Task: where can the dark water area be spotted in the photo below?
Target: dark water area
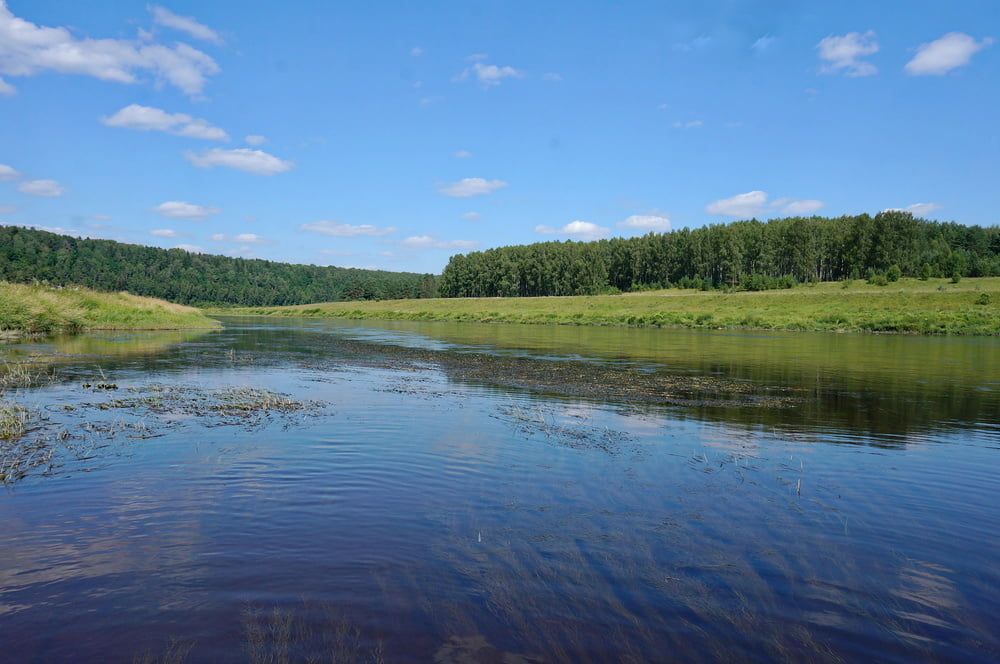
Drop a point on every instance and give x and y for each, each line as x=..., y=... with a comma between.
x=285, y=490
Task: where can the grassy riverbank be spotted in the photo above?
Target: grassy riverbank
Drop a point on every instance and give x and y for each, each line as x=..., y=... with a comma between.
x=936, y=306
x=33, y=309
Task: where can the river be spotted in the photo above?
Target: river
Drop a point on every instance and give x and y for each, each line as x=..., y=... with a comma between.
x=285, y=489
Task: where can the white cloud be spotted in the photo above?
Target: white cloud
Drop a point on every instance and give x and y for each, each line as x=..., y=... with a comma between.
x=695, y=44
x=749, y=204
x=239, y=238
x=755, y=203
x=242, y=159
x=487, y=75
x=7, y=89
x=255, y=139
x=844, y=53
x=243, y=250
x=186, y=24
x=690, y=124
x=163, y=232
x=797, y=207
x=762, y=44
x=948, y=52
x=471, y=187
x=461, y=154
x=581, y=229
x=429, y=242
x=471, y=216
x=646, y=222
x=336, y=229
x=8, y=172
x=918, y=209
x=182, y=210
x=552, y=77
x=27, y=49
x=416, y=51
x=147, y=118
x=58, y=230
x=192, y=248
x=44, y=188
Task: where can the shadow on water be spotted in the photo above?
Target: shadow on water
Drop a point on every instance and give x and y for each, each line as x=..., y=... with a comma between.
x=872, y=388
x=889, y=387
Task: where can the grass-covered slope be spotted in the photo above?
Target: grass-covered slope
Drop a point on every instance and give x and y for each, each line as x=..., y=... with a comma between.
x=46, y=310
x=935, y=306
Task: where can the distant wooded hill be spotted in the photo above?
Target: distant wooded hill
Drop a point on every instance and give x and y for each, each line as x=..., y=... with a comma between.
x=752, y=255
x=28, y=255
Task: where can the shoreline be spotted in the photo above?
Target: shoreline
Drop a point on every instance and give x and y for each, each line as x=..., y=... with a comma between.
x=934, y=307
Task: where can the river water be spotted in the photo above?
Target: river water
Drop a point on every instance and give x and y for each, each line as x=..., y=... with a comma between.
x=281, y=490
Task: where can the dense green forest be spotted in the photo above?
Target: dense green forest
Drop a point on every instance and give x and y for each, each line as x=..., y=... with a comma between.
x=749, y=255
x=28, y=255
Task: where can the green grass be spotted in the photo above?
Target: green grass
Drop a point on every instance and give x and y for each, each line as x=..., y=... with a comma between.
x=936, y=306
x=46, y=310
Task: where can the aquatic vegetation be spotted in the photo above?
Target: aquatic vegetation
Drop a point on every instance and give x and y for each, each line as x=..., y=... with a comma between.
x=236, y=404
x=559, y=429
x=77, y=434
x=13, y=420
x=18, y=453
x=29, y=372
x=176, y=653
x=279, y=636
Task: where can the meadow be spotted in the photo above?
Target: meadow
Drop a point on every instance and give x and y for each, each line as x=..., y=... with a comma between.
x=38, y=309
x=933, y=306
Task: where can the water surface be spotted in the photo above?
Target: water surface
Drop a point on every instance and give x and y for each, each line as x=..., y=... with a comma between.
x=460, y=492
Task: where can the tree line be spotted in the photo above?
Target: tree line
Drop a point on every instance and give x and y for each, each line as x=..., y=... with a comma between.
x=749, y=255
x=29, y=255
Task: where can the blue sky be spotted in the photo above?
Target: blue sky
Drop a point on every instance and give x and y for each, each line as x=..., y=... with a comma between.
x=393, y=135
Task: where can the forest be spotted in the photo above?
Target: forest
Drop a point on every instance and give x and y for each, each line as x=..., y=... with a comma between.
x=29, y=255
x=743, y=255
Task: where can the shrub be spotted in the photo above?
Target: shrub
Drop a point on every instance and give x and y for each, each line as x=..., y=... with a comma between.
x=956, y=277
x=984, y=299
x=877, y=279
x=894, y=273
x=925, y=271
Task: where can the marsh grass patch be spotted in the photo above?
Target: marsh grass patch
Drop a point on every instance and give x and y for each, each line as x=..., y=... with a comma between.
x=556, y=427
x=83, y=436
x=249, y=406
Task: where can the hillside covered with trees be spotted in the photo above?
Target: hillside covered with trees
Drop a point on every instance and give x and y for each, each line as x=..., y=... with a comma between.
x=748, y=255
x=29, y=255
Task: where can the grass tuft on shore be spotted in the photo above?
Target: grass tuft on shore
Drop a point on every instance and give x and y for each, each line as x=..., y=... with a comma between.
x=36, y=309
x=934, y=306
